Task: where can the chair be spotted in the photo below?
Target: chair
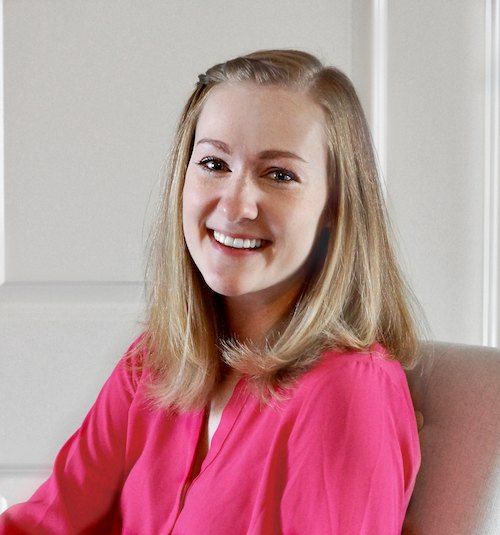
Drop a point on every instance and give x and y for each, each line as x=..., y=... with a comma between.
x=456, y=395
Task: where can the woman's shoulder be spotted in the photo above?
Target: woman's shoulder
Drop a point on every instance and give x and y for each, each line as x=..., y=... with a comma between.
x=130, y=367
x=376, y=360
x=362, y=386
x=347, y=373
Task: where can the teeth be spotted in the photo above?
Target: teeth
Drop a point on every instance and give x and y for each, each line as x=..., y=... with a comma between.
x=238, y=243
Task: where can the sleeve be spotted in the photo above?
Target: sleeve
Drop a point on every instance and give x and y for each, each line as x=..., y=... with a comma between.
x=353, y=454
x=79, y=495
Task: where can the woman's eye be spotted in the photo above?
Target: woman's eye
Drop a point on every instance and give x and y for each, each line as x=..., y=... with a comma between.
x=214, y=165
x=204, y=164
x=283, y=172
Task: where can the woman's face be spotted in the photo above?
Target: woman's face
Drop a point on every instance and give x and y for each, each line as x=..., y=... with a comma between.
x=257, y=170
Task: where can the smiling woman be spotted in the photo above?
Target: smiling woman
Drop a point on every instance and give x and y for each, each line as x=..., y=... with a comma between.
x=266, y=393
x=264, y=129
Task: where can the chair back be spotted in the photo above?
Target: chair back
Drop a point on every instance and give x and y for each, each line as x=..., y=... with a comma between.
x=456, y=395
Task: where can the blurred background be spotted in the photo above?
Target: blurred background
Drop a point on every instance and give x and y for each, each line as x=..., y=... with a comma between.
x=92, y=91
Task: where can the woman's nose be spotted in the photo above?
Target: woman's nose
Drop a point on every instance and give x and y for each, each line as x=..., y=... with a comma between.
x=239, y=199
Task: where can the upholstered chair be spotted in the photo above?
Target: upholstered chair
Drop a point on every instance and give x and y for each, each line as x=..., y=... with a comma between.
x=456, y=395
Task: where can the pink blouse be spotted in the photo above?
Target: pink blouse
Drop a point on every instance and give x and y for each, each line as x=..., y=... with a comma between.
x=339, y=457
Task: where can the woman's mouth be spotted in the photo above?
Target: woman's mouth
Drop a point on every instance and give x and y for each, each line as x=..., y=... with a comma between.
x=236, y=251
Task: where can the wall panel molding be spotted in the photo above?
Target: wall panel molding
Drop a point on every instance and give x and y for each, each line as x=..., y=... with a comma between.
x=379, y=86
x=491, y=285
x=2, y=152
x=62, y=338
x=54, y=298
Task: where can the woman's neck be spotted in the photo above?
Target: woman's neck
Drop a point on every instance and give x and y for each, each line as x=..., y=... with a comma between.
x=250, y=317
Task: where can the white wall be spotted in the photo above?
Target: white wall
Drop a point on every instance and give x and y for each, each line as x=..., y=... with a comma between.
x=92, y=91
x=436, y=156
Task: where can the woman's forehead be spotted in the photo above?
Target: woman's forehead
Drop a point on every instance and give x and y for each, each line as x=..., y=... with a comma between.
x=262, y=118
x=284, y=103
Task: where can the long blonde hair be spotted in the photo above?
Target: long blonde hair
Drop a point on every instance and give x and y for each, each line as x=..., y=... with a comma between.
x=356, y=294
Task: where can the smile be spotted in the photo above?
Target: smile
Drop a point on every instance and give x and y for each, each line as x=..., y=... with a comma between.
x=237, y=243
x=236, y=249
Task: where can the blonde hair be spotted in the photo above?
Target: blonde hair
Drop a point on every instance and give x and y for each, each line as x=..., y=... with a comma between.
x=356, y=294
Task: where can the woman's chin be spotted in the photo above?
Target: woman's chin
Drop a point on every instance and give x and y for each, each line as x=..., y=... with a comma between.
x=228, y=289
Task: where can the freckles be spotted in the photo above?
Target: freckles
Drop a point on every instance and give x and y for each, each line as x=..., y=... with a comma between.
x=197, y=205
x=191, y=194
x=199, y=186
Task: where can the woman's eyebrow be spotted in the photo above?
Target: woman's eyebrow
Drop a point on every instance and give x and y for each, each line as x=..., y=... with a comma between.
x=264, y=155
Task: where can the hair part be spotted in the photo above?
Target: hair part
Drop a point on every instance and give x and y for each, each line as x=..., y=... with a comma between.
x=356, y=295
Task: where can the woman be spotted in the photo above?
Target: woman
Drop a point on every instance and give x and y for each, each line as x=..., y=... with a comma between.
x=266, y=393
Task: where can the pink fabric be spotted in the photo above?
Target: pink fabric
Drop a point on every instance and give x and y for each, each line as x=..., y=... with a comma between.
x=340, y=457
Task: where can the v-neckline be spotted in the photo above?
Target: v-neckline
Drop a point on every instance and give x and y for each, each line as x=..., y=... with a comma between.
x=227, y=420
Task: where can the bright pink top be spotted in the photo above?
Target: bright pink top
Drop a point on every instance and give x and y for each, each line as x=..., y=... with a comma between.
x=340, y=457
